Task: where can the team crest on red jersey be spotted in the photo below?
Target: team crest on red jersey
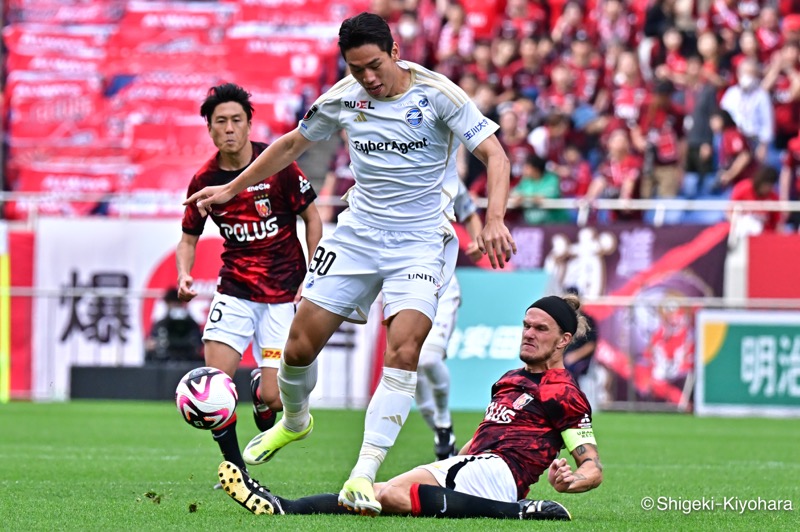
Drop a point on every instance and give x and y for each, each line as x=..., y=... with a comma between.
x=521, y=401
x=264, y=207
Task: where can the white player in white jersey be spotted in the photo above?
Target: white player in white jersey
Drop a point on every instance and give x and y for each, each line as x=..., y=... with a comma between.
x=404, y=124
x=433, y=377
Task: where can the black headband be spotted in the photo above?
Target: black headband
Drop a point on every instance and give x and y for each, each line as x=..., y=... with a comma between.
x=559, y=310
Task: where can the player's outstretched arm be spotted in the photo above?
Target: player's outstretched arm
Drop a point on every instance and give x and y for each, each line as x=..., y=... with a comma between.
x=495, y=239
x=588, y=476
x=184, y=261
x=275, y=158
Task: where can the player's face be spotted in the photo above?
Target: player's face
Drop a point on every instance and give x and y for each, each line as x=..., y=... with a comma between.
x=229, y=129
x=541, y=337
x=376, y=71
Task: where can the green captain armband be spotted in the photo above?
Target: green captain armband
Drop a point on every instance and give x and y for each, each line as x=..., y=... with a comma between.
x=574, y=437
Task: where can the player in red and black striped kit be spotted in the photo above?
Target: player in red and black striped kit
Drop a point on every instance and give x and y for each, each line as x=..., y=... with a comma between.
x=534, y=412
x=263, y=265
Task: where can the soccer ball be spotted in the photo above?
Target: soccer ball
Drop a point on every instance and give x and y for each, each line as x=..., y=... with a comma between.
x=206, y=398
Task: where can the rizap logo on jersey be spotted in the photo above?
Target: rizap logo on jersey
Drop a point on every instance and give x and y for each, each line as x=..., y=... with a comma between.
x=311, y=112
x=263, y=207
x=363, y=104
x=499, y=414
x=251, y=231
x=390, y=145
x=476, y=128
x=414, y=117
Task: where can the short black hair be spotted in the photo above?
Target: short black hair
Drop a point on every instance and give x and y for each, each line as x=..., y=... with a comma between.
x=765, y=174
x=727, y=119
x=227, y=92
x=365, y=28
x=536, y=162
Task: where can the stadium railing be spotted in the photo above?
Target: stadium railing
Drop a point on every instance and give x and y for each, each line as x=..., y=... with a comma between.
x=130, y=204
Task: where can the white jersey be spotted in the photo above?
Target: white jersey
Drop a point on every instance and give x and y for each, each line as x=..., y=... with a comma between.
x=403, y=149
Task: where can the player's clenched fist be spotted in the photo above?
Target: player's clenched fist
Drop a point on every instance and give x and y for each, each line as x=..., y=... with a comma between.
x=560, y=475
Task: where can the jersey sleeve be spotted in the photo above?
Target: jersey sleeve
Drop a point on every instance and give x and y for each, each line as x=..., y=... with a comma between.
x=571, y=415
x=322, y=118
x=193, y=222
x=463, y=117
x=296, y=188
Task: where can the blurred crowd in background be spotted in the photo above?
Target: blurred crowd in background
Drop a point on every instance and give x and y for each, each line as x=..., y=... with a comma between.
x=594, y=98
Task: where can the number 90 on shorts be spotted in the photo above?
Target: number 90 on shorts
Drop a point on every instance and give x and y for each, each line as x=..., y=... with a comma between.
x=356, y=262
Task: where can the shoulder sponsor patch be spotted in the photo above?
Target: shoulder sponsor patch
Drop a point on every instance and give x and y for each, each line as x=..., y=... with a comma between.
x=311, y=112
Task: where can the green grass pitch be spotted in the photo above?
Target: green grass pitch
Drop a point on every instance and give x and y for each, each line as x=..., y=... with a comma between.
x=106, y=465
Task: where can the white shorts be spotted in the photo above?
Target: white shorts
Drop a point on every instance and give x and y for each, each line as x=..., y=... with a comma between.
x=354, y=263
x=446, y=314
x=236, y=322
x=483, y=475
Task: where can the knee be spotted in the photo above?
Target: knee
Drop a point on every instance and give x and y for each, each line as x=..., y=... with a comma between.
x=404, y=355
x=300, y=349
x=395, y=499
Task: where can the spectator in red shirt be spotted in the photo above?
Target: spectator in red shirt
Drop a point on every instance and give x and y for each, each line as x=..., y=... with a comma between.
x=513, y=136
x=722, y=16
x=525, y=18
x=790, y=179
x=673, y=68
x=709, y=49
x=616, y=21
x=748, y=49
x=628, y=89
x=549, y=139
x=618, y=175
x=574, y=173
x=560, y=95
x=659, y=136
x=760, y=187
x=569, y=23
x=768, y=33
x=456, y=42
x=410, y=36
x=483, y=68
x=587, y=70
x=528, y=74
x=782, y=80
x=504, y=51
x=734, y=157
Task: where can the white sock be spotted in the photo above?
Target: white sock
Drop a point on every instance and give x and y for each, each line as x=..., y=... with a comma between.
x=433, y=369
x=424, y=398
x=439, y=376
x=296, y=384
x=387, y=412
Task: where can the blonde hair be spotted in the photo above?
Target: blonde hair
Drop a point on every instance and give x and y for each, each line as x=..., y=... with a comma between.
x=575, y=303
